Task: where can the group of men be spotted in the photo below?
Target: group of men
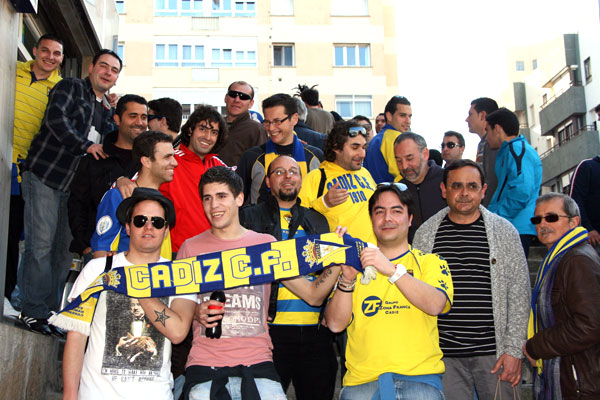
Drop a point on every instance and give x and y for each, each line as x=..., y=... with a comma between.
x=444, y=264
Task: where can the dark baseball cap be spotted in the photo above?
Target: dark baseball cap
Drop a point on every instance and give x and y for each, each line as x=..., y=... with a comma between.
x=141, y=194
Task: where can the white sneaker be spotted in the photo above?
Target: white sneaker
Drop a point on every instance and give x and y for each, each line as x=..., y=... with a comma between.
x=9, y=311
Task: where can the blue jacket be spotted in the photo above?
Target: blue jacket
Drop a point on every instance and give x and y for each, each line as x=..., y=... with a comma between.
x=380, y=160
x=519, y=171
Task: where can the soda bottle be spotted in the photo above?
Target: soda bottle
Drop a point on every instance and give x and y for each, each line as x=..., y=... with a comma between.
x=215, y=332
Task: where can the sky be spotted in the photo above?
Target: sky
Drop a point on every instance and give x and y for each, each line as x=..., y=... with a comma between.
x=451, y=52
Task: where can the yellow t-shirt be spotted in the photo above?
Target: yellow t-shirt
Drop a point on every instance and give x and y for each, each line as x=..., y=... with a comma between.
x=354, y=212
x=387, y=333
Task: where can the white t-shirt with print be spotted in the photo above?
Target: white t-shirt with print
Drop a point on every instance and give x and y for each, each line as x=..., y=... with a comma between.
x=126, y=356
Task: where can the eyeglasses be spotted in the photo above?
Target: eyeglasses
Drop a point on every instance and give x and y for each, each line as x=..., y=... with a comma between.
x=243, y=96
x=400, y=186
x=153, y=117
x=282, y=171
x=275, y=122
x=471, y=187
x=204, y=129
x=549, y=218
x=354, y=131
x=450, y=145
x=140, y=221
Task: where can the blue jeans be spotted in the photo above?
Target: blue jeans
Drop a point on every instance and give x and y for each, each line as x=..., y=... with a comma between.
x=404, y=390
x=46, y=259
x=267, y=389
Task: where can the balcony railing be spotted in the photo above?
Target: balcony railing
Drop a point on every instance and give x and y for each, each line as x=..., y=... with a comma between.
x=567, y=139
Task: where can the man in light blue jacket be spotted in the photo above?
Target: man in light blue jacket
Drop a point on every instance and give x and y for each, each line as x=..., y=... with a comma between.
x=519, y=172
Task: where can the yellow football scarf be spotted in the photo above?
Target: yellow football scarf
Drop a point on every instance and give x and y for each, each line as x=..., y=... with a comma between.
x=252, y=265
x=564, y=244
x=297, y=154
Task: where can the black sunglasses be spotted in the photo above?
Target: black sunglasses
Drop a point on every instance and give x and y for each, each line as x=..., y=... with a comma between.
x=449, y=145
x=549, y=218
x=354, y=131
x=243, y=96
x=140, y=221
x=154, y=116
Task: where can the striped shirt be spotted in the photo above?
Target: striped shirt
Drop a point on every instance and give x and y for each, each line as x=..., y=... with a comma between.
x=468, y=330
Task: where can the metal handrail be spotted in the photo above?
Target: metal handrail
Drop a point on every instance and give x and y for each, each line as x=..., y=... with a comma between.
x=586, y=128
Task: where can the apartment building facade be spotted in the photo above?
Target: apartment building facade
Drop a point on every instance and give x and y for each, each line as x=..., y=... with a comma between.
x=554, y=93
x=191, y=50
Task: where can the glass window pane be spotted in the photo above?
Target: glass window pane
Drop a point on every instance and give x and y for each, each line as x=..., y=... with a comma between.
x=160, y=51
x=277, y=55
x=289, y=55
x=160, y=4
x=216, y=4
x=363, y=108
x=120, y=49
x=251, y=55
x=120, y=7
x=216, y=54
x=239, y=6
x=344, y=108
x=250, y=6
x=363, y=56
x=227, y=5
x=197, y=4
x=239, y=55
x=185, y=4
x=172, y=52
x=199, y=52
x=172, y=4
x=339, y=56
x=187, y=52
x=351, y=55
x=227, y=54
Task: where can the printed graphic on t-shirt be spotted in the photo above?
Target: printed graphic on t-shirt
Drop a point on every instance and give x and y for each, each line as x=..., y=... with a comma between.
x=134, y=347
x=243, y=312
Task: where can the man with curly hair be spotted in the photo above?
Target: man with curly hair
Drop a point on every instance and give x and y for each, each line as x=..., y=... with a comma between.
x=204, y=133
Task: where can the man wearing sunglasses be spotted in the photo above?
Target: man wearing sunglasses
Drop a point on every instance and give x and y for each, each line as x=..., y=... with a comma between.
x=491, y=288
x=154, y=157
x=380, y=159
x=244, y=132
x=340, y=188
x=128, y=352
x=453, y=146
x=165, y=115
x=393, y=350
x=94, y=177
x=280, y=117
x=519, y=172
x=564, y=334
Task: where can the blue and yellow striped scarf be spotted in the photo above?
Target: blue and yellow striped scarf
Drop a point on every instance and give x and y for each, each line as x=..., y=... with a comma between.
x=252, y=265
x=546, y=272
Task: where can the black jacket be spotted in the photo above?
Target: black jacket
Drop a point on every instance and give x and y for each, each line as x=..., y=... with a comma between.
x=92, y=179
x=427, y=197
x=264, y=218
x=585, y=190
